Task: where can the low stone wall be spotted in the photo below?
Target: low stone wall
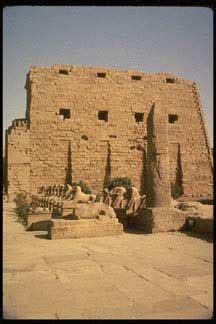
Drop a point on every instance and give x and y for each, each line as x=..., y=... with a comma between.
x=38, y=221
x=59, y=229
x=160, y=219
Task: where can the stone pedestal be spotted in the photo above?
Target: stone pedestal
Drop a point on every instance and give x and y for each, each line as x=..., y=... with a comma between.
x=59, y=229
x=161, y=219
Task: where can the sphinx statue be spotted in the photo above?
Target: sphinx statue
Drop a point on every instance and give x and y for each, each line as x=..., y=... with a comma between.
x=69, y=193
x=81, y=197
x=107, y=199
x=134, y=202
x=118, y=197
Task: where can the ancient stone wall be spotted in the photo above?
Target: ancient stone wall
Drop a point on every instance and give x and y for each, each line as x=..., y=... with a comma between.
x=102, y=114
x=17, y=158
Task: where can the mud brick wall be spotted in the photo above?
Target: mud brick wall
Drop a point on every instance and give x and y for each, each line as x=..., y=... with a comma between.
x=105, y=125
x=17, y=158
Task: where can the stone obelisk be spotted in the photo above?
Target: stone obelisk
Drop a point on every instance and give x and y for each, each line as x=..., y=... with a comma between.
x=159, y=215
x=158, y=180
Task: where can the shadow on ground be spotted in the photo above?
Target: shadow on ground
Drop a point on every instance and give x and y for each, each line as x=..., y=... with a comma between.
x=134, y=231
x=196, y=235
x=42, y=236
x=186, y=232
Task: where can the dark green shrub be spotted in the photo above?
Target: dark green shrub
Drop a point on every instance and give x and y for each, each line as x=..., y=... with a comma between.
x=176, y=190
x=120, y=182
x=22, y=207
x=83, y=186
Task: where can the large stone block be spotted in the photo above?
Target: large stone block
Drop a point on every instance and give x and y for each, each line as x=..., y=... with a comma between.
x=59, y=229
x=160, y=219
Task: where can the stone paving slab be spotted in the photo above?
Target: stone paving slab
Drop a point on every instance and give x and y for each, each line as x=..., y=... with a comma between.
x=132, y=276
x=182, y=307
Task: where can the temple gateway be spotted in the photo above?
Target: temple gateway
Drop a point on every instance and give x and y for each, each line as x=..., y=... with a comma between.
x=99, y=123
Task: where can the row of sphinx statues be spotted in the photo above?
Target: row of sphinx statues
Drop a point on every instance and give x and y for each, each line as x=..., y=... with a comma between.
x=56, y=196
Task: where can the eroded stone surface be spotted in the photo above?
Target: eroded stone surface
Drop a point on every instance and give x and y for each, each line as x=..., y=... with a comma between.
x=131, y=276
x=91, y=210
x=103, y=226
x=97, y=127
x=158, y=179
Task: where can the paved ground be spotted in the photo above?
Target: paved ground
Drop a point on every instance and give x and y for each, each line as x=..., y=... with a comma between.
x=132, y=276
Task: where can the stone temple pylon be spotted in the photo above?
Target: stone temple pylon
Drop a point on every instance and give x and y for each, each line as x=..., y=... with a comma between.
x=158, y=180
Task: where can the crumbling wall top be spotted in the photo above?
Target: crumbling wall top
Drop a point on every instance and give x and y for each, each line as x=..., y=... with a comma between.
x=73, y=70
x=18, y=123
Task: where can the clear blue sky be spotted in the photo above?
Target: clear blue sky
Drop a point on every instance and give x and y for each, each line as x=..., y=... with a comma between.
x=152, y=39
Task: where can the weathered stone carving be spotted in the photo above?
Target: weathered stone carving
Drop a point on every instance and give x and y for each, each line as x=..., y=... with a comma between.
x=135, y=202
x=81, y=197
x=78, y=215
x=91, y=210
x=62, y=200
x=69, y=192
x=126, y=203
x=107, y=197
x=117, y=195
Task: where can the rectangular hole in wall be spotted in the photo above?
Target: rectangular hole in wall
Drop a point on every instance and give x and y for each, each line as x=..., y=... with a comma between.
x=138, y=117
x=103, y=115
x=170, y=80
x=64, y=113
x=173, y=118
x=101, y=75
x=136, y=77
x=63, y=72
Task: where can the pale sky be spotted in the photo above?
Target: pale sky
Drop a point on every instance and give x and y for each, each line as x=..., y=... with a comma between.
x=178, y=40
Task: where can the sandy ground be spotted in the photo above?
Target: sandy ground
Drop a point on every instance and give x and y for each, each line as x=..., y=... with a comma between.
x=131, y=276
